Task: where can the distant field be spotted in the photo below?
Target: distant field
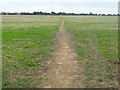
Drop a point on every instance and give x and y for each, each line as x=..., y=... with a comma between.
x=96, y=41
x=27, y=42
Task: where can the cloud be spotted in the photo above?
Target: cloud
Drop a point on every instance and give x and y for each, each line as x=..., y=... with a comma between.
x=74, y=1
x=62, y=9
x=77, y=6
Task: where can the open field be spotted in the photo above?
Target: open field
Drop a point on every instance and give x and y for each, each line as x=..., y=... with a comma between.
x=0, y=52
x=96, y=44
x=27, y=42
x=30, y=41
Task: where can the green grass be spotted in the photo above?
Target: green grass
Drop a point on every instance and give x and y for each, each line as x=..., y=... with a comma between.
x=96, y=46
x=27, y=42
x=0, y=52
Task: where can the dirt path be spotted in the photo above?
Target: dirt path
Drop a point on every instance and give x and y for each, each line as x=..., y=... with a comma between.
x=62, y=68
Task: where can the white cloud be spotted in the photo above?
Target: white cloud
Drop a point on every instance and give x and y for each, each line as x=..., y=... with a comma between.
x=10, y=1
x=8, y=5
x=64, y=9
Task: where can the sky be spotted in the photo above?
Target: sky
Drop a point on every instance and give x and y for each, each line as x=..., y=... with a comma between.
x=68, y=6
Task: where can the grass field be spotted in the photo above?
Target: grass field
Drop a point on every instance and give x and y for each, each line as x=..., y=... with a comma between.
x=96, y=41
x=29, y=40
x=0, y=52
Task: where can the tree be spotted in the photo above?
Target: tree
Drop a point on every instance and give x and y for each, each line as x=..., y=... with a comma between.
x=53, y=13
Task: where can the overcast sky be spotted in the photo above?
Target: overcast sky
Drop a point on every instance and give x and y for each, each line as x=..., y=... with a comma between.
x=76, y=6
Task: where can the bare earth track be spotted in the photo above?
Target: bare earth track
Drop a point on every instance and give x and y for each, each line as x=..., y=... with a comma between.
x=63, y=70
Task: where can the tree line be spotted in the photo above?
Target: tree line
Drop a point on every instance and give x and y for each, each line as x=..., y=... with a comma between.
x=54, y=13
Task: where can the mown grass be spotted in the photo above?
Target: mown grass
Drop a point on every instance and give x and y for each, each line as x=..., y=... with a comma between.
x=96, y=46
x=27, y=42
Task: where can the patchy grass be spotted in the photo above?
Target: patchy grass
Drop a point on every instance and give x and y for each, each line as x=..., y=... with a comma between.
x=0, y=52
x=96, y=47
x=27, y=42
